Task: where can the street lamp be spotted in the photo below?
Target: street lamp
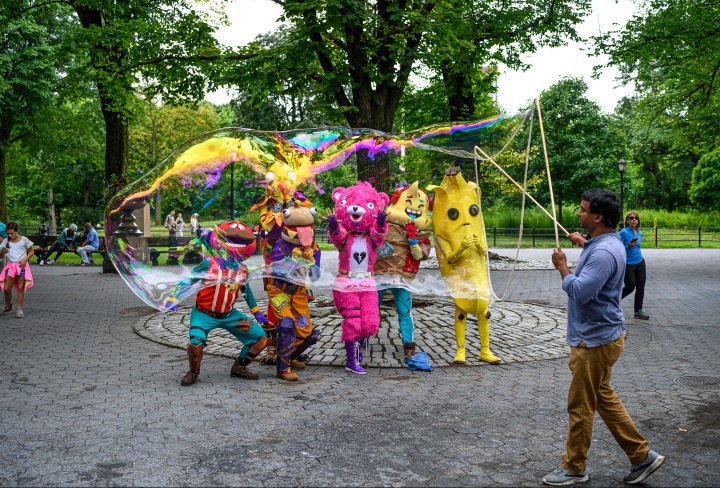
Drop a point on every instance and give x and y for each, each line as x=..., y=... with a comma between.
x=621, y=168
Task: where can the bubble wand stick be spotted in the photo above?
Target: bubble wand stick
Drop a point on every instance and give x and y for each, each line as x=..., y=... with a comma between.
x=488, y=158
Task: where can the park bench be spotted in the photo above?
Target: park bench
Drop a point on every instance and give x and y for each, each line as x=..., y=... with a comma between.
x=48, y=240
x=175, y=253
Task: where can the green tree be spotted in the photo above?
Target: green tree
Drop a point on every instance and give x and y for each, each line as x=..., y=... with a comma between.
x=705, y=189
x=361, y=55
x=670, y=53
x=130, y=41
x=582, y=147
x=661, y=151
x=474, y=36
x=158, y=133
x=28, y=73
x=55, y=172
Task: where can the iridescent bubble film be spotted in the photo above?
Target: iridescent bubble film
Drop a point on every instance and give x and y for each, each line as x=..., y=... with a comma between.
x=280, y=186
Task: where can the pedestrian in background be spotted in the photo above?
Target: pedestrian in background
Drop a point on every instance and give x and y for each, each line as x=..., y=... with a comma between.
x=635, y=273
x=596, y=335
x=16, y=272
x=194, y=224
x=180, y=223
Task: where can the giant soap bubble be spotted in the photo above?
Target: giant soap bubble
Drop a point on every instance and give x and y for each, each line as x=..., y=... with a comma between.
x=240, y=170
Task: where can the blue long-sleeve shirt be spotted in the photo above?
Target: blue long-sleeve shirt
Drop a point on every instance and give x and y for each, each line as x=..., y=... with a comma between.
x=634, y=254
x=595, y=291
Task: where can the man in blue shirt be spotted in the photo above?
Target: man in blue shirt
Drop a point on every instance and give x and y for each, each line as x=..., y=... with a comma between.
x=596, y=337
x=91, y=244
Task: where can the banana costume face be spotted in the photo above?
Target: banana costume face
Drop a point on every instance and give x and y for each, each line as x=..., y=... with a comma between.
x=460, y=248
x=460, y=239
x=410, y=205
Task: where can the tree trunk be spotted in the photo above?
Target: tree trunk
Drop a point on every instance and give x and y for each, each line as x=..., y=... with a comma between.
x=51, y=210
x=158, y=208
x=117, y=142
x=461, y=99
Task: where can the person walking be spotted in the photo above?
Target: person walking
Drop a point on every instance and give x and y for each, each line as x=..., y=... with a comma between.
x=180, y=223
x=635, y=273
x=595, y=333
x=194, y=225
x=90, y=245
x=16, y=272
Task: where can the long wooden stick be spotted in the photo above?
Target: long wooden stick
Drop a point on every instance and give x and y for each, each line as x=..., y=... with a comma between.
x=522, y=190
x=547, y=168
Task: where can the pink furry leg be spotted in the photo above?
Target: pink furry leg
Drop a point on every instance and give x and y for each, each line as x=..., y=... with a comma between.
x=348, y=304
x=369, y=314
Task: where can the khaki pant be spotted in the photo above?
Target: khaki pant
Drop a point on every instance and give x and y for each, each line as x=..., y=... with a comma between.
x=590, y=391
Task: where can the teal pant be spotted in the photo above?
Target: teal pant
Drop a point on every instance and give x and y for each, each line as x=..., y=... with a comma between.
x=201, y=324
x=403, y=306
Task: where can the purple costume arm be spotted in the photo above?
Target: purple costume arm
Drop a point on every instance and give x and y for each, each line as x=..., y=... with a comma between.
x=336, y=232
x=379, y=230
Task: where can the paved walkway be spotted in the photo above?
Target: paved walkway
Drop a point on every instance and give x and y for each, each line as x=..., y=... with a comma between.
x=87, y=401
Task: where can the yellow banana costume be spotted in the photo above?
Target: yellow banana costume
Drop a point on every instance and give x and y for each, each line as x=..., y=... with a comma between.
x=460, y=248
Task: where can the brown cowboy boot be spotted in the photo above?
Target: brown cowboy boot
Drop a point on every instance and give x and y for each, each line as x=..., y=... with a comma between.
x=195, y=354
x=242, y=371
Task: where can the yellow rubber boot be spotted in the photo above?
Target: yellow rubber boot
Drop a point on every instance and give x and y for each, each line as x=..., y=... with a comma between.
x=484, y=330
x=460, y=317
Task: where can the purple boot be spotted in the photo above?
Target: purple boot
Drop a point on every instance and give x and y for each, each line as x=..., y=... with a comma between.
x=351, y=348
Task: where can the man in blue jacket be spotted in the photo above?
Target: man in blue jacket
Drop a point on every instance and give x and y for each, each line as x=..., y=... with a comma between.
x=596, y=335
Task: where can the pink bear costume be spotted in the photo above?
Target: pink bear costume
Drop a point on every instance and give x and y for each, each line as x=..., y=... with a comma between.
x=357, y=229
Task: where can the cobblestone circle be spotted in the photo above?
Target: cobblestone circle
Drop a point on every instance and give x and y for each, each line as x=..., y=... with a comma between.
x=519, y=332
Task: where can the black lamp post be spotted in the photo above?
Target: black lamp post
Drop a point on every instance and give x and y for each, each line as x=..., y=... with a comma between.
x=621, y=168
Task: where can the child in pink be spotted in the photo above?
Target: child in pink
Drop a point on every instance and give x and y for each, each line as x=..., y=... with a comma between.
x=16, y=272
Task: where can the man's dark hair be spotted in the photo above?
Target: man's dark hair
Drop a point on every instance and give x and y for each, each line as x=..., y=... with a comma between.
x=605, y=203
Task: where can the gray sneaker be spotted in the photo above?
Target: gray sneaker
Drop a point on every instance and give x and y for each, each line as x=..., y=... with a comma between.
x=41, y=263
x=50, y=262
x=641, y=315
x=639, y=472
x=20, y=314
x=563, y=477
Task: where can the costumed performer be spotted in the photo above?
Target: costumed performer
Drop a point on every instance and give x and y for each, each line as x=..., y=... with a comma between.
x=406, y=244
x=296, y=258
x=357, y=230
x=460, y=247
x=222, y=276
x=280, y=191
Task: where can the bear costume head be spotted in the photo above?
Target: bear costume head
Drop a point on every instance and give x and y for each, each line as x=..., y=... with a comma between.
x=357, y=207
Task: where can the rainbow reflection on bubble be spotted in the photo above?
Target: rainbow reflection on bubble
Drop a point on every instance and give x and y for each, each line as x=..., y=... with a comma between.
x=196, y=178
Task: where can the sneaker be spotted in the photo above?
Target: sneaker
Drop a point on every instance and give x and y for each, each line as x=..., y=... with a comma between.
x=50, y=262
x=42, y=263
x=20, y=314
x=287, y=375
x=6, y=310
x=641, y=315
x=563, y=477
x=641, y=471
x=84, y=264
